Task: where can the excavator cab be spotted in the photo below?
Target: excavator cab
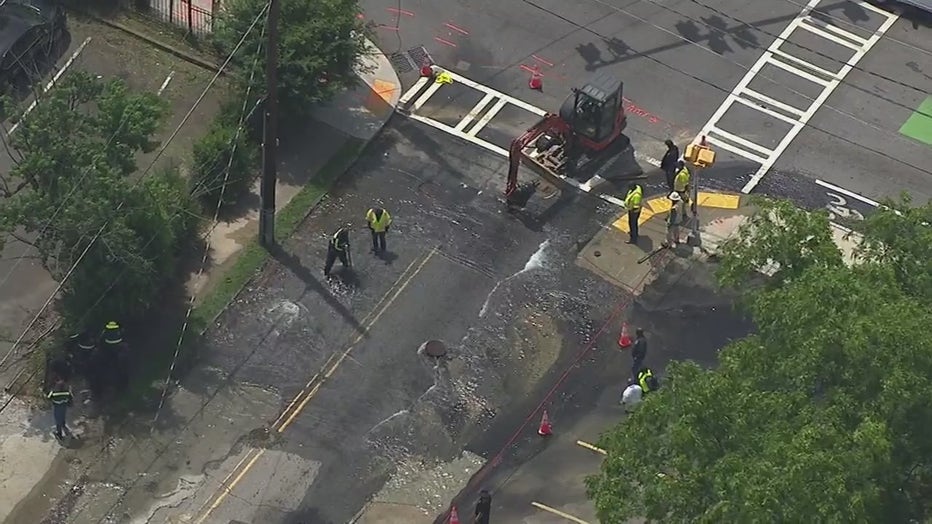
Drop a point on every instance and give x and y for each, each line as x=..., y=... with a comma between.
x=594, y=112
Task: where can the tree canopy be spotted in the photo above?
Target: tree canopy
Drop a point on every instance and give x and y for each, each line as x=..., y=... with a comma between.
x=74, y=157
x=823, y=415
x=320, y=43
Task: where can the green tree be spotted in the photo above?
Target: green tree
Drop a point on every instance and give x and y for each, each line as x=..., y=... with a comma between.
x=823, y=415
x=73, y=160
x=320, y=43
x=224, y=162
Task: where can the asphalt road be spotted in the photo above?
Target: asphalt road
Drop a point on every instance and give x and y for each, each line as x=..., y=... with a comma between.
x=680, y=61
x=501, y=290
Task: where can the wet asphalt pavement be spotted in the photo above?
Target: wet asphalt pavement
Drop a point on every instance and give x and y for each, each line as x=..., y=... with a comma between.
x=501, y=291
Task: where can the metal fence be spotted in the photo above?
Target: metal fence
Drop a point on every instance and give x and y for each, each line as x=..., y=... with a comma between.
x=197, y=16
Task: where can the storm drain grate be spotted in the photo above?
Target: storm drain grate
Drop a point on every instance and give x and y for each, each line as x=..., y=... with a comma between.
x=419, y=56
x=401, y=62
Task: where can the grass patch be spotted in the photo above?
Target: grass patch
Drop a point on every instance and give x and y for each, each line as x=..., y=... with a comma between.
x=246, y=265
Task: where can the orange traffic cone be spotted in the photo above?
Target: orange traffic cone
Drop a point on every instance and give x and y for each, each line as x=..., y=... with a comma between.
x=454, y=517
x=427, y=69
x=625, y=339
x=545, y=429
x=537, y=80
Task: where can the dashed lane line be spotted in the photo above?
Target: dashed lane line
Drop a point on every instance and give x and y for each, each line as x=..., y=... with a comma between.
x=562, y=514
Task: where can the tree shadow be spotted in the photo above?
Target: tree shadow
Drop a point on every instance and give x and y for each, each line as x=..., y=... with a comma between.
x=293, y=263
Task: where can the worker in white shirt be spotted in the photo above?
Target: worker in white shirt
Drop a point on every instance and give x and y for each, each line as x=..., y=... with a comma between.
x=631, y=396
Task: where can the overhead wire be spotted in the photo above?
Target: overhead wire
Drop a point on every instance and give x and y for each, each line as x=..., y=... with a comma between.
x=705, y=82
x=139, y=180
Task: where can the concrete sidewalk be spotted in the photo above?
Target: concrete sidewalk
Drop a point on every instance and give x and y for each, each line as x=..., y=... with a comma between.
x=35, y=472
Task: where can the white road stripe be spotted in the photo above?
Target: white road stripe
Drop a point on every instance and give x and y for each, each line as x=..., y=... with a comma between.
x=857, y=39
x=774, y=102
x=165, y=83
x=758, y=107
x=429, y=92
x=798, y=72
x=770, y=57
x=804, y=24
x=415, y=89
x=810, y=66
x=848, y=193
x=870, y=7
x=823, y=96
x=469, y=138
x=476, y=111
x=740, y=141
x=734, y=149
x=51, y=82
x=484, y=121
x=511, y=100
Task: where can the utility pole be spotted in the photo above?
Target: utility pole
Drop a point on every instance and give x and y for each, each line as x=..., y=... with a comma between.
x=270, y=131
x=701, y=156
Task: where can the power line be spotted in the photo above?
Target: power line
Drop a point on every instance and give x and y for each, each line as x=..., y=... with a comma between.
x=142, y=177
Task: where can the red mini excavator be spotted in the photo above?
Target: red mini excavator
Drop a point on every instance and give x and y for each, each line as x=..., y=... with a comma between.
x=562, y=147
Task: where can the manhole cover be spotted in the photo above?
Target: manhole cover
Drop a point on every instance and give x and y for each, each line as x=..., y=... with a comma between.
x=434, y=348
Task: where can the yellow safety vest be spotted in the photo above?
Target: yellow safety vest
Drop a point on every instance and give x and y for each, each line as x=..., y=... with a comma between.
x=681, y=180
x=643, y=376
x=378, y=223
x=633, y=199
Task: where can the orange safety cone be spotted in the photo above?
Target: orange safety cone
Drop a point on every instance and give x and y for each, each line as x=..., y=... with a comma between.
x=624, y=341
x=537, y=80
x=454, y=517
x=427, y=69
x=545, y=429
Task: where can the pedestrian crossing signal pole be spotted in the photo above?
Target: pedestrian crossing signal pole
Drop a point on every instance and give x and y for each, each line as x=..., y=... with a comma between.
x=700, y=156
x=270, y=131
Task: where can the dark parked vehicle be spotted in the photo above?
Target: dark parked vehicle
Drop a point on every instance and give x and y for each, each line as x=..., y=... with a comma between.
x=29, y=33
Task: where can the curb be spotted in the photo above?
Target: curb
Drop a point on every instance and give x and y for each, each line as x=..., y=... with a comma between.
x=168, y=48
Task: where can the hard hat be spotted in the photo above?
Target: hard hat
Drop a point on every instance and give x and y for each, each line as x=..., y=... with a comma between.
x=675, y=196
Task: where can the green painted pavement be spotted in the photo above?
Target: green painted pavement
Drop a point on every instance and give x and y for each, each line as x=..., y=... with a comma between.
x=919, y=125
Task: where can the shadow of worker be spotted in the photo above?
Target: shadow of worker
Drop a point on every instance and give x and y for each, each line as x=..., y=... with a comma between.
x=293, y=263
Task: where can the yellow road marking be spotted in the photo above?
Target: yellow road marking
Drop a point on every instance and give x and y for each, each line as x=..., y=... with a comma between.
x=314, y=384
x=622, y=223
x=368, y=326
x=719, y=200
x=558, y=513
x=591, y=447
x=227, y=489
x=660, y=205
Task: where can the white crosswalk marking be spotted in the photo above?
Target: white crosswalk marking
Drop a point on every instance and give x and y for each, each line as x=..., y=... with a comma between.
x=777, y=56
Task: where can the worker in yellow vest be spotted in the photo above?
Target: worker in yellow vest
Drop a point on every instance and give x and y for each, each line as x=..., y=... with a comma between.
x=633, y=205
x=379, y=221
x=681, y=185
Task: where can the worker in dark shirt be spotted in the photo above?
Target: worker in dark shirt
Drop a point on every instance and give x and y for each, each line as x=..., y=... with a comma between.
x=483, y=507
x=668, y=162
x=338, y=247
x=638, y=352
